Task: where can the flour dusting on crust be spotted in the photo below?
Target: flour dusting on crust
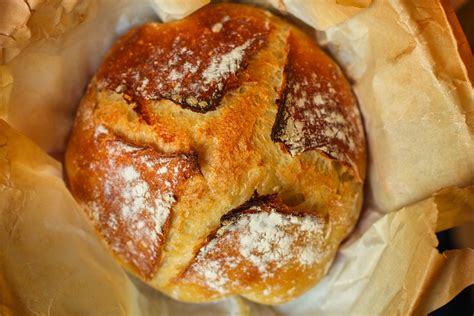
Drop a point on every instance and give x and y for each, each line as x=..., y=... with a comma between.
x=134, y=206
x=315, y=110
x=191, y=66
x=222, y=66
x=262, y=242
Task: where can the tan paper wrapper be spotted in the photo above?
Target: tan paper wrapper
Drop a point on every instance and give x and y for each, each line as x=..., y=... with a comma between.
x=410, y=71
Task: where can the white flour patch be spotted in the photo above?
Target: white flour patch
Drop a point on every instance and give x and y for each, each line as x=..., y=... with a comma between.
x=222, y=66
x=267, y=241
x=216, y=28
x=135, y=208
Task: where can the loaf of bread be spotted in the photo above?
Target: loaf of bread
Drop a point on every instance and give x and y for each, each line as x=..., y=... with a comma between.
x=220, y=155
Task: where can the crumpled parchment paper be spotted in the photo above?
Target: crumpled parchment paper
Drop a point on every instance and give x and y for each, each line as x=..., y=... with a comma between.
x=409, y=66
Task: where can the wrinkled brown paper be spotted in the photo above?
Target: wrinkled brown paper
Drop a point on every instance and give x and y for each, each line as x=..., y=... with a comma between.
x=410, y=73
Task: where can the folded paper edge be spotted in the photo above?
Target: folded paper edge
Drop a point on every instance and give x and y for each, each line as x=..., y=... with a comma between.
x=455, y=206
x=462, y=43
x=449, y=275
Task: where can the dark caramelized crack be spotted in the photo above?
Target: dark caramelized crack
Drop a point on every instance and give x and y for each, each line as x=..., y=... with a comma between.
x=316, y=108
x=259, y=203
x=279, y=124
x=193, y=62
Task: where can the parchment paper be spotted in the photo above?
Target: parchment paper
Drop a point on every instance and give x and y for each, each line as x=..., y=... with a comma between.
x=410, y=76
x=418, y=121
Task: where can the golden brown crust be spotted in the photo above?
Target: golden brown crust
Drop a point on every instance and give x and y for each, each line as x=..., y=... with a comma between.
x=256, y=247
x=317, y=106
x=126, y=199
x=170, y=182
x=183, y=55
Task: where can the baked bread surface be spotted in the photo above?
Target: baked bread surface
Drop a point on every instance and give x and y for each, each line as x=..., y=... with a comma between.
x=220, y=155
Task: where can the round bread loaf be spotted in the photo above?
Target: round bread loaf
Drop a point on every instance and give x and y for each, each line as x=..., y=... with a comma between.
x=220, y=155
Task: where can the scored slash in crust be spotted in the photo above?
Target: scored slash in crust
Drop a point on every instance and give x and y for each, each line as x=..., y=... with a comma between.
x=316, y=107
x=260, y=240
x=130, y=197
x=192, y=64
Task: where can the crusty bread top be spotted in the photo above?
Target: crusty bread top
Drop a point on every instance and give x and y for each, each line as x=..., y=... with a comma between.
x=194, y=134
x=196, y=64
x=195, y=61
